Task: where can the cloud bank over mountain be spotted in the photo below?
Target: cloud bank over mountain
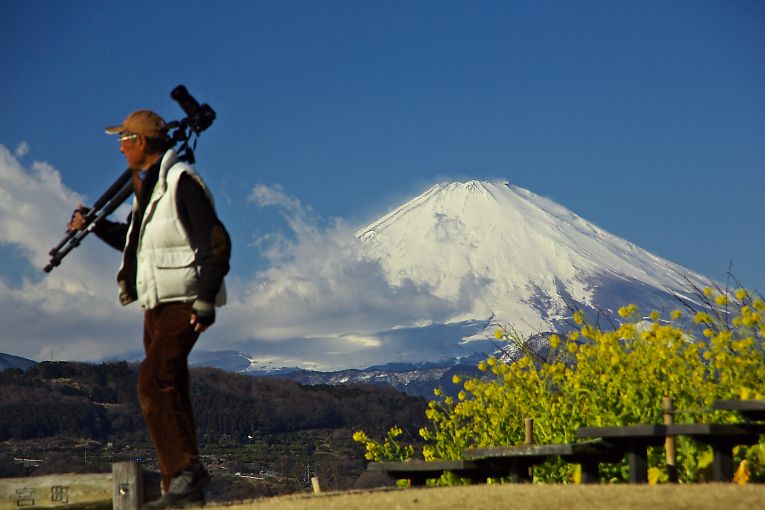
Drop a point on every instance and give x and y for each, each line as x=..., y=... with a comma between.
x=319, y=300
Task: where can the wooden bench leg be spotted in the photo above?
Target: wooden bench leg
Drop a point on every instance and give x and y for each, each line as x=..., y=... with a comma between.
x=476, y=478
x=638, y=464
x=722, y=463
x=522, y=473
x=418, y=481
x=590, y=472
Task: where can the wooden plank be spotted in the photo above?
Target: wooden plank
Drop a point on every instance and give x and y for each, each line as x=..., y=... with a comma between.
x=60, y=491
x=416, y=465
x=733, y=431
x=536, y=450
x=751, y=409
x=646, y=432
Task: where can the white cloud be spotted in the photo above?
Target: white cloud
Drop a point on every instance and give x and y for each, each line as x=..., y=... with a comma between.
x=320, y=304
x=264, y=196
x=22, y=150
x=71, y=313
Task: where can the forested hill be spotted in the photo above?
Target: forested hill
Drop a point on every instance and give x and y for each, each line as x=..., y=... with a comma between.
x=99, y=402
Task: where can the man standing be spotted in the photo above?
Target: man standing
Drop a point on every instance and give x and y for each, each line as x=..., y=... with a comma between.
x=175, y=253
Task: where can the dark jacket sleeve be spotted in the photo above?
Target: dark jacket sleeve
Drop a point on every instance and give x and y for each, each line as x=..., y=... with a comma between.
x=208, y=237
x=112, y=233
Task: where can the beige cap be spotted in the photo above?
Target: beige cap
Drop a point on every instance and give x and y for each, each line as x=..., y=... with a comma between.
x=141, y=122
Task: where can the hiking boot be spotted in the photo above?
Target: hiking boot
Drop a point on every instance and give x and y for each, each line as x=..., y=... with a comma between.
x=185, y=490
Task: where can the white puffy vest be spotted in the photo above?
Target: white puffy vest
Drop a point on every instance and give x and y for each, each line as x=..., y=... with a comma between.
x=166, y=265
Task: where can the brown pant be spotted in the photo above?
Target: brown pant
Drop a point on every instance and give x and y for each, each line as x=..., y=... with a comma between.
x=163, y=387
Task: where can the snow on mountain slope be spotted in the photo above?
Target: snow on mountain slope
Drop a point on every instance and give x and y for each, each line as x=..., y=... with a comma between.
x=522, y=258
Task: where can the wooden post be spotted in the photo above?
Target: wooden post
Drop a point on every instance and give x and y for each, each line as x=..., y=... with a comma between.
x=528, y=433
x=127, y=486
x=315, y=484
x=528, y=425
x=669, y=443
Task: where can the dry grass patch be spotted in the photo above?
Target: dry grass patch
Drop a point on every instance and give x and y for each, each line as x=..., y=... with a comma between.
x=525, y=497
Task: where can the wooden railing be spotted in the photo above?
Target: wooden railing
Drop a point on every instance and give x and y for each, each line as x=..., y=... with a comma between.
x=125, y=488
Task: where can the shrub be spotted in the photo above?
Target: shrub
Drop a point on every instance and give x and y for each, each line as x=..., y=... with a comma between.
x=612, y=376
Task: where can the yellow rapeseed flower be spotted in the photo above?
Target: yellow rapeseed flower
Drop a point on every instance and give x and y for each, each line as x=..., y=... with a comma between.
x=722, y=299
x=741, y=294
x=742, y=474
x=701, y=317
x=676, y=314
x=628, y=310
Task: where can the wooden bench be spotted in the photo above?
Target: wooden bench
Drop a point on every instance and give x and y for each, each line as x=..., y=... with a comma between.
x=515, y=461
x=418, y=472
x=634, y=440
x=722, y=437
x=479, y=464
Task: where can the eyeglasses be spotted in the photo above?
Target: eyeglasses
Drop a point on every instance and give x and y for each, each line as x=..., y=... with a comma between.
x=126, y=137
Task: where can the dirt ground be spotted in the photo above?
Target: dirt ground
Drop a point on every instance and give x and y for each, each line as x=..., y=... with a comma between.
x=524, y=497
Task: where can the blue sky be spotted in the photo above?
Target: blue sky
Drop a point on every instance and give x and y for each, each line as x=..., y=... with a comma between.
x=646, y=118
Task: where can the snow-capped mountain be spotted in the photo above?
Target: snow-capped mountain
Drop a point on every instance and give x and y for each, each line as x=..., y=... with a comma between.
x=460, y=259
x=503, y=252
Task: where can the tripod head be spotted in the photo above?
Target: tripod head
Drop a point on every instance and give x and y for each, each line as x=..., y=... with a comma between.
x=198, y=118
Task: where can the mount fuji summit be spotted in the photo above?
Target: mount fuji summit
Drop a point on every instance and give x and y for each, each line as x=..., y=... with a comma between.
x=504, y=253
x=427, y=284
